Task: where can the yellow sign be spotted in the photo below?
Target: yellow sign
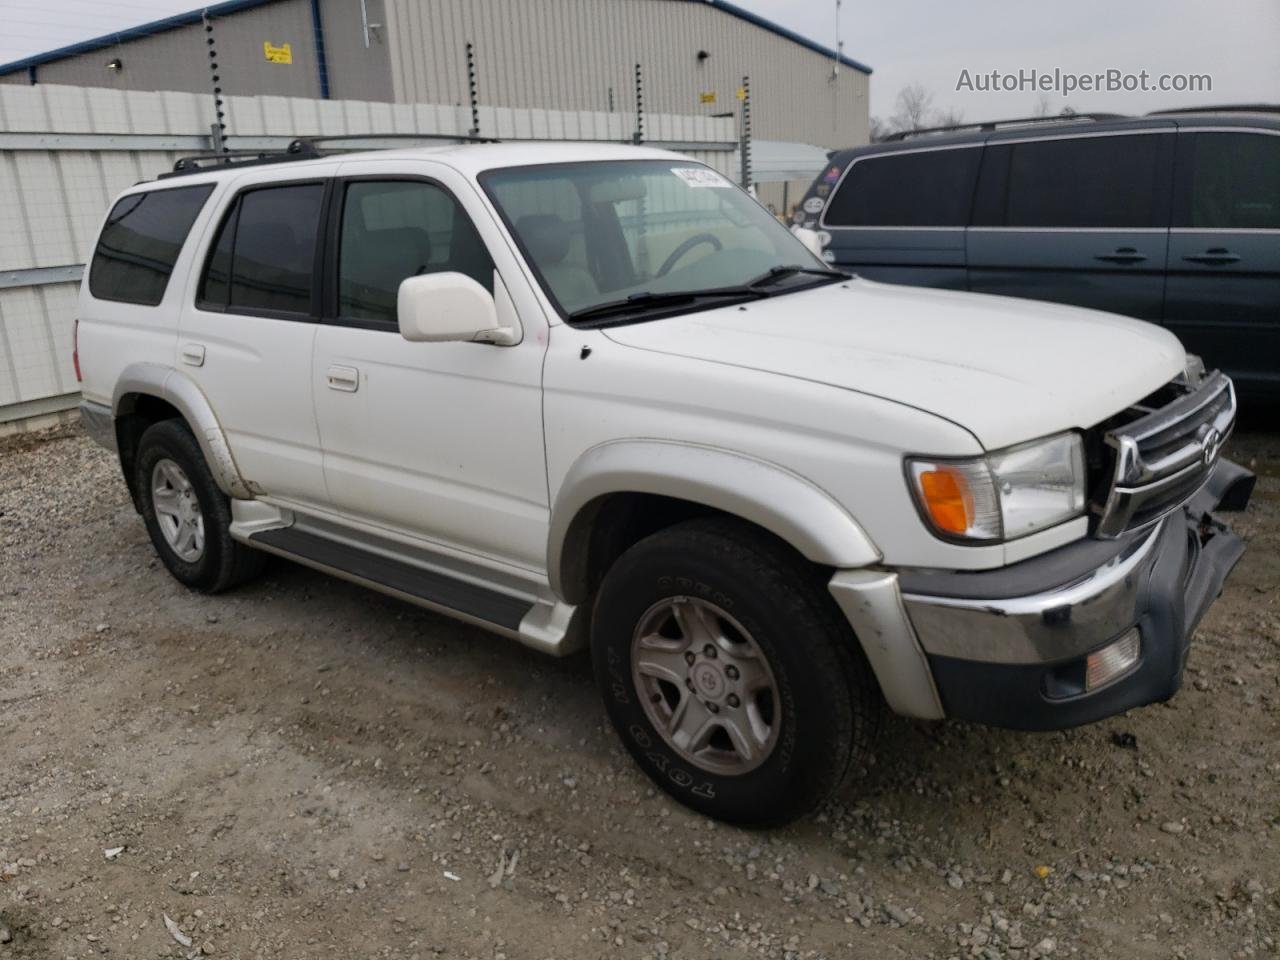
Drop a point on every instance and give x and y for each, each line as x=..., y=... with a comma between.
x=280, y=54
x=742, y=93
x=708, y=97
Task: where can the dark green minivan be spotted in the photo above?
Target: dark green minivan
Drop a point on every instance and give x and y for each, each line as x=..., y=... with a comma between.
x=1171, y=217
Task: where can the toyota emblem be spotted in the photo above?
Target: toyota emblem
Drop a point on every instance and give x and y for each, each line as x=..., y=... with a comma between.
x=1209, y=448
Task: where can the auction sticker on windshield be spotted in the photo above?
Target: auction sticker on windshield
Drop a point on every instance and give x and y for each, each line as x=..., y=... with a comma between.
x=700, y=177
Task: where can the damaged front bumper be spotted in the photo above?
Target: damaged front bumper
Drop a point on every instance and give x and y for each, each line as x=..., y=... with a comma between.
x=1012, y=647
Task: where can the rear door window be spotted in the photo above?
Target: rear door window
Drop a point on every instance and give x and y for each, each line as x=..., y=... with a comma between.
x=141, y=241
x=1228, y=181
x=263, y=259
x=1099, y=182
x=928, y=188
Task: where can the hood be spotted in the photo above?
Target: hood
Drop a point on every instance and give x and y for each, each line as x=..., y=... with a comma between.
x=1007, y=370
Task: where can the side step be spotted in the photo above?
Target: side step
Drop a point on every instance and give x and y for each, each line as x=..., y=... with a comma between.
x=448, y=595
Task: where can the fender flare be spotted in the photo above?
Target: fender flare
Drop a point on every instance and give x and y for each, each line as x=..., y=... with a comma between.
x=156, y=380
x=763, y=493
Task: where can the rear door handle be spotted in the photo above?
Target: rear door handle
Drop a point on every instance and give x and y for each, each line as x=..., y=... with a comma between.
x=1213, y=255
x=344, y=378
x=1122, y=255
x=193, y=354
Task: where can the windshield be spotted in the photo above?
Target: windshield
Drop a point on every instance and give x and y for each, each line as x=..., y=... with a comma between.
x=602, y=232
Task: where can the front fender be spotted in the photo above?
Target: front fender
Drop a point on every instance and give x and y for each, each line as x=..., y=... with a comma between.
x=760, y=492
x=153, y=379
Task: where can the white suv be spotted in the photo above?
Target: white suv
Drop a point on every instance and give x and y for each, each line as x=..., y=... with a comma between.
x=590, y=394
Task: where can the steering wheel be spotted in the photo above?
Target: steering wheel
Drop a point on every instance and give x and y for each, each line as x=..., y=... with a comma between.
x=685, y=247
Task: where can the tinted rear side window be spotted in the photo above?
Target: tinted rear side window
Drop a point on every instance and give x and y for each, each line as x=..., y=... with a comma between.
x=928, y=189
x=140, y=244
x=1229, y=181
x=1086, y=182
x=263, y=259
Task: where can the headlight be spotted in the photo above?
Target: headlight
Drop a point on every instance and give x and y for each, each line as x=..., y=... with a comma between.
x=1006, y=494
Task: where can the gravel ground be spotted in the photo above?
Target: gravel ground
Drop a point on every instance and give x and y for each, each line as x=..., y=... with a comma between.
x=303, y=768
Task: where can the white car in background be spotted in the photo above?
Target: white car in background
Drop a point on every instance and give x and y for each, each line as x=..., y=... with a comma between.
x=595, y=395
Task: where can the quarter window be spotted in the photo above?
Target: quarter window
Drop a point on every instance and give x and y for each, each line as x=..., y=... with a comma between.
x=140, y=244
x=932, y=188
x=1233, y=181
x=397, y=229
x=1083, y=182
x=263, y=259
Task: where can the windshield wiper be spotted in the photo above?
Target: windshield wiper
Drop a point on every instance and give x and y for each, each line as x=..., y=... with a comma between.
x=647, y=300
x=773, y=274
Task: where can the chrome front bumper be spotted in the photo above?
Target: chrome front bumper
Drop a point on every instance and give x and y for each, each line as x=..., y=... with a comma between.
x=1009, y=646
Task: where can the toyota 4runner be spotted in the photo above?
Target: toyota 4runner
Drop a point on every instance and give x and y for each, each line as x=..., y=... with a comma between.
x=595, y=395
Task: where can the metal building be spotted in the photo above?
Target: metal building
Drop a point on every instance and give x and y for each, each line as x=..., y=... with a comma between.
x=549, y=54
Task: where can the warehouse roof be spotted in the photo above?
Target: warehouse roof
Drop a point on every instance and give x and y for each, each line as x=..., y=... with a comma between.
x=232, y=6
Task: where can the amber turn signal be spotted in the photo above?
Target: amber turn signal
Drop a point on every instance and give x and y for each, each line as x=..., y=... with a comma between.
x=948, y=499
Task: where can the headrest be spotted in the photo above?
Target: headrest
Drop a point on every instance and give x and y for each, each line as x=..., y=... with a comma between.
x=546, y=236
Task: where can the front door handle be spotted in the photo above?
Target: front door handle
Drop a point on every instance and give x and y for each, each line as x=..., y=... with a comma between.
x=1122, y=255
x=193, y=354
x=1213, y=255
x=344, y=378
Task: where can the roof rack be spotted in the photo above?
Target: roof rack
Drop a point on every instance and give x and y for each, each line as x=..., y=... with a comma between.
x=1222, y=108
x=301, y=148
x=992, y=125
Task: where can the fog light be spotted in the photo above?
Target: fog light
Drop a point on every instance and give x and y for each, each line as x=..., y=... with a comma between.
x=1112, y=661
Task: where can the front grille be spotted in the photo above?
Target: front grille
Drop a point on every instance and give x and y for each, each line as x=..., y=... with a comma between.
x=1157, y=456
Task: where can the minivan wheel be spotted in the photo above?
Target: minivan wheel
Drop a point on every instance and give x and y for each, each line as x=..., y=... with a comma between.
x=730, y=674
x=187, y=516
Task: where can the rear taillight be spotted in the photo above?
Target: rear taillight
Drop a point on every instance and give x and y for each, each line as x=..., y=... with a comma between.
x=75, y=350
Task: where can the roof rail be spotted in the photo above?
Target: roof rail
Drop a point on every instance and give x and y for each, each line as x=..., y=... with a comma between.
x=301, y=148
x=1222, y=108
x=198, y=162
x=991, y=125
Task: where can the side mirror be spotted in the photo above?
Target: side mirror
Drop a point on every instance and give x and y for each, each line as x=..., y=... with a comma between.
x=810, y=239
x=450, y=306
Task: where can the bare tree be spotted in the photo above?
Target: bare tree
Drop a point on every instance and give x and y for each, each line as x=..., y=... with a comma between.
x=1044, y=106
x=948, y=118
x=914, y=107
x=880, y=128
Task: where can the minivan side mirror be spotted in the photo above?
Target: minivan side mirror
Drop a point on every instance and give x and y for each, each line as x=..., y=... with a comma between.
x=450, y=306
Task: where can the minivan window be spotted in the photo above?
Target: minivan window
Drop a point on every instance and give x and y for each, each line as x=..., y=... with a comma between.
x=930, y=188
x=397, y=229
x=1095, y=182
x=263, y=259
x=141, y=241
x=1232, y=181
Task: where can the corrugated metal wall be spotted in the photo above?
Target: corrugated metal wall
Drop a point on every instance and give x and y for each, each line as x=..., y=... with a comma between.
x=554, y=54
x=177, y=59
x=571, y=53
x=65, y=152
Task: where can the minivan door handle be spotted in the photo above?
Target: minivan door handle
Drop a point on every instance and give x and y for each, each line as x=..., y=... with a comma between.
x=1122, y=255
x=344, y=378
x=193, y=354
x=1213, y=255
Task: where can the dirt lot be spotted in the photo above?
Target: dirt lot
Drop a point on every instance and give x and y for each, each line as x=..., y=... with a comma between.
x=302, y=768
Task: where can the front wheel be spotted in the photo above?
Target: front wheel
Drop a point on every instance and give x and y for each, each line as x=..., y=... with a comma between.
x=729, y=673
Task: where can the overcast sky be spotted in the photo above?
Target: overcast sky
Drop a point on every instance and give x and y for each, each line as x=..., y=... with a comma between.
x=1235, y=42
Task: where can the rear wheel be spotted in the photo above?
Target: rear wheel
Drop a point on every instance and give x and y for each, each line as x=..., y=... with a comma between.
x=187, y=516
x=729, y=673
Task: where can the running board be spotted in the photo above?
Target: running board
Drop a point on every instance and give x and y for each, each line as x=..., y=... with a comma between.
x=548, y=627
